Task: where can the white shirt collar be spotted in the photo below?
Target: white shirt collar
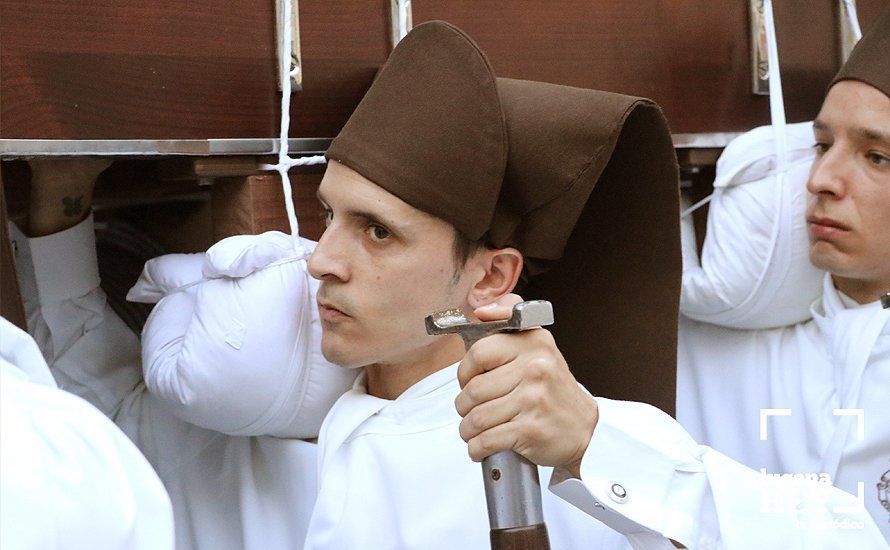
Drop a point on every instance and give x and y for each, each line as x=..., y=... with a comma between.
x=834, y=301
x=427, y=403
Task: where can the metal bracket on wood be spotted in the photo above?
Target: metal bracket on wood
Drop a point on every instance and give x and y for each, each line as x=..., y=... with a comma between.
x=401, y=20
x=29, y=148
x=296, y=63
x=759, y=56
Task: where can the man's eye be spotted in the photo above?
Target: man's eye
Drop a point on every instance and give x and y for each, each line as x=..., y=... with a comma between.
x=378, y=233
x=878, y=159
x=821, y=147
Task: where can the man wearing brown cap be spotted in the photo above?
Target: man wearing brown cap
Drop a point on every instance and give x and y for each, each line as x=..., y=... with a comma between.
x=445, y=188
x=449, y=187
x=826, y=380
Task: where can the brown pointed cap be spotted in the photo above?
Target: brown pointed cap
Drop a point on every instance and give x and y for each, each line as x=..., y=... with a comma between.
x=870, y=60
x=591, y=198
x=430, y=129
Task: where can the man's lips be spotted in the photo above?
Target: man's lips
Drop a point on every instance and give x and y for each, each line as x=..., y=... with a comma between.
x=329, y=312
x=825, y=227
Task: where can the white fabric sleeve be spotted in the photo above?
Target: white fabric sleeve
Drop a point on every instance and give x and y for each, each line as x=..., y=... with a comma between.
x=645, y=477
x=19, y=349
x=89, y=350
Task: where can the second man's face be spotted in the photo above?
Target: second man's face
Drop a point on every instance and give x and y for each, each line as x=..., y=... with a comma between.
x=383, y=266
x=848, y=215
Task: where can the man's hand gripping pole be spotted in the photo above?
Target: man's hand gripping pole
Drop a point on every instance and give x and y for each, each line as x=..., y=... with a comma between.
x=512, y=488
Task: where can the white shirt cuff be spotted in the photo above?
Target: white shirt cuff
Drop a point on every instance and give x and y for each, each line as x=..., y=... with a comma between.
x=636, y=459
x=64, y=263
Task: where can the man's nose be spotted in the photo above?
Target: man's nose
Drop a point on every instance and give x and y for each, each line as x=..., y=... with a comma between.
x=328, y=260
x=829, y=174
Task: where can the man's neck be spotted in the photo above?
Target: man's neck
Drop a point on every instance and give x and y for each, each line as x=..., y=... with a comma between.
x=863, y=292
x=390, y=380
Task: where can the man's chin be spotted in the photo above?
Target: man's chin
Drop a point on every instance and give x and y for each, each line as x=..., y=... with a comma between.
x=336, y=354
x=826, y=256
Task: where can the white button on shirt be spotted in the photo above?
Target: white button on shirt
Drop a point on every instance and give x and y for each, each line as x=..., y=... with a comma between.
x=618, y=493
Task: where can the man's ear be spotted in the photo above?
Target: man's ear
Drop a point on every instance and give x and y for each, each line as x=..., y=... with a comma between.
x=502, y=267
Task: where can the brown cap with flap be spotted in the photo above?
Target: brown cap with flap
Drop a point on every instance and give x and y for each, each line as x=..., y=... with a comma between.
x=870, y=60
x=591, y=198
x=584, y=183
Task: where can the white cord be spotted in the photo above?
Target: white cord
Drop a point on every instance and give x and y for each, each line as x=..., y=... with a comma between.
x=404, y=6
x=299, y=161
x=777, y=106
x=853, y=19
x=776, y=102
x=285, y=162
x=696, y=206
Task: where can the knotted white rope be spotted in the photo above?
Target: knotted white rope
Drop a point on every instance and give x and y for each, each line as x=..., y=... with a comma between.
x=285, y=162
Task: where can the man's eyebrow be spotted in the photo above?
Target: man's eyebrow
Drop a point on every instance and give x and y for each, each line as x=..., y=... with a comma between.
x=866, y=133
x=819, y=125
x=370, y=217
x=872, y=134
x=364, y=214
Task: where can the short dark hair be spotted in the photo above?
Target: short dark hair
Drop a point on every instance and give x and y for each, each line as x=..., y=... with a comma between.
x=463, y=249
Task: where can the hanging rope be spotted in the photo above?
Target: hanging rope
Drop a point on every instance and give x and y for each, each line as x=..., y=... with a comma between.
x=285, y=162
x=777, y=107
x=853, y=19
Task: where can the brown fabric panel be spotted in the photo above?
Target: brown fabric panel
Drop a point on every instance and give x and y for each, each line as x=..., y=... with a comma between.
x=616, y=291
x=430, y=130
x=561, y=139
x=870, y=60
x=10, y=298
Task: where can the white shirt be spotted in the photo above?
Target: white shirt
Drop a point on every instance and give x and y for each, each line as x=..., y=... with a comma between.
x=252, y=493
x=817, y=384
x=396, y=474
x=70, y=478
x=644, y=475
x=258, y=492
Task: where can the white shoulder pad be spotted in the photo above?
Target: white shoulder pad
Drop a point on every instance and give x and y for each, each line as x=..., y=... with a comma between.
x=240, y=353
x=165, y=274
x=755, y=271
x=752, y=155
x=241, y=255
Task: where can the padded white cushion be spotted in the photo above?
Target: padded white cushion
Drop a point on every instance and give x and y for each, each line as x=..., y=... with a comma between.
x=755, y=272
x=240, y=351
x=166, y=274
